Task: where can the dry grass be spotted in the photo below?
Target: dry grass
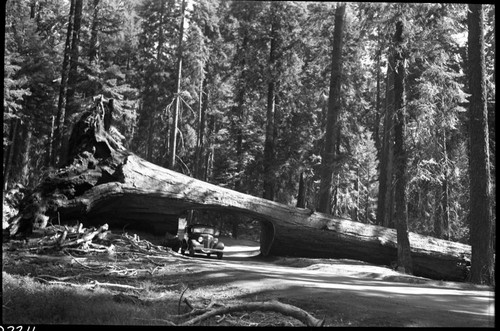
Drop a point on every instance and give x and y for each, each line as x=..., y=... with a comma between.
x=27, y=301
x=129, y=285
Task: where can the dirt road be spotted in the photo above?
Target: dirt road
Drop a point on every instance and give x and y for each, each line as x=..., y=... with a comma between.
x=347, y=292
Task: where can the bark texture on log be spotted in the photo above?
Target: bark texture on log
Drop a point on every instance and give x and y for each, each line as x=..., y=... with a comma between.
x=109, y=184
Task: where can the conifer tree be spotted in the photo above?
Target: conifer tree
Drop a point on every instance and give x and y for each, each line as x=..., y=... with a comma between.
x=480, y=194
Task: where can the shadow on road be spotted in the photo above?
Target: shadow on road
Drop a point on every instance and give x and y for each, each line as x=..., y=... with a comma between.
x=339, y=289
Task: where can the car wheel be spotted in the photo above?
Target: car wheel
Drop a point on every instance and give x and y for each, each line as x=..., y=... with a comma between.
x=219, y=256
x=208, y=255
x=183, y=251
x=191, y=251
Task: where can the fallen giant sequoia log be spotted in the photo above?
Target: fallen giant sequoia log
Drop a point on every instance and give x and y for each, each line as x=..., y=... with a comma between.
x=106, y=182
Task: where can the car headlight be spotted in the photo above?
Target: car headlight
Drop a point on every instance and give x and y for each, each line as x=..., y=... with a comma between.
x=200, y=239
x=216, y=240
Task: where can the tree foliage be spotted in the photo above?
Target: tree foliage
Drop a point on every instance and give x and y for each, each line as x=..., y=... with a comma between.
x=128, y=51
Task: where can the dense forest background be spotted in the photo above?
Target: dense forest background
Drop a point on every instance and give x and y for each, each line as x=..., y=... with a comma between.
x=250, y=109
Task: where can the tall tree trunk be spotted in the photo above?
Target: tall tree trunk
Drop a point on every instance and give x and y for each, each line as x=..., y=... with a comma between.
x=94, y=37
x=173, y=133
x=376, y=127
x=149, y=147
x=438, y=218
x=164, y=148
x=25, y=156
x=239, y=111
x=38, y=15
x=159, y=48
x=355, y=210
x=367, y=205
x=199, y=133
x=329, y=150
x=269, y=145
x=445, y=189
x=479, y=168
x=239, y=153
x=72, y=80
x=441, y=220
x=301, y=196
x=51, y=142
x=335, y=207
x=32, y=9
x=164, y=144
x=385, y=192
x=61, y=105
x=401, y=215
x=75, y=54
x=209, y=161
x=9, y=157
x=202, y=113
x=209, y=155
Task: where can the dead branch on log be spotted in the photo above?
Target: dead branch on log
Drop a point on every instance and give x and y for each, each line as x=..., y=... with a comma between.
x=275, y=306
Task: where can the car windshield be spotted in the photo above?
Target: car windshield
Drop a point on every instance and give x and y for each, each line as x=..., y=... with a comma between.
x=203, y=229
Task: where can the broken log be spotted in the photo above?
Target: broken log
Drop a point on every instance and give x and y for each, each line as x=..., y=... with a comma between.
x=107, y=183
x=275, y=306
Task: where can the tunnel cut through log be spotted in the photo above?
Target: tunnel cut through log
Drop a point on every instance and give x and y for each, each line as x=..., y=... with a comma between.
x=106, y=181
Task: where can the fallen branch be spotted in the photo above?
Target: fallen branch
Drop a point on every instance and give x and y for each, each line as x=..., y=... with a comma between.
x=99, y=269
x=62, y=237
x=194, y=312
x=86, y=237
x=221, y=319
x=152, y=272
x=275, y=306
x=50, y=258
x=129, y=287
x=56, y=282
x=155, y=263
x=180, y=300
x=88, y=250
x=59, y=278
x=98, y=246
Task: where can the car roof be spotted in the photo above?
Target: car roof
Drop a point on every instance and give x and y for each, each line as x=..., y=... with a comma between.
x=200, y=224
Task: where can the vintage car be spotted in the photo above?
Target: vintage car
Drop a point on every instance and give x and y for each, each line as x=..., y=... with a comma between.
x=202, y=238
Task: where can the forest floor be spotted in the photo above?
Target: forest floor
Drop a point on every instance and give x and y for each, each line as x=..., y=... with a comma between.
x=136, y=288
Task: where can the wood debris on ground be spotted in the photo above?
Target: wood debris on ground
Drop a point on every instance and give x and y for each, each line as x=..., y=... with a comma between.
x=79, y=240
x=82, y=247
